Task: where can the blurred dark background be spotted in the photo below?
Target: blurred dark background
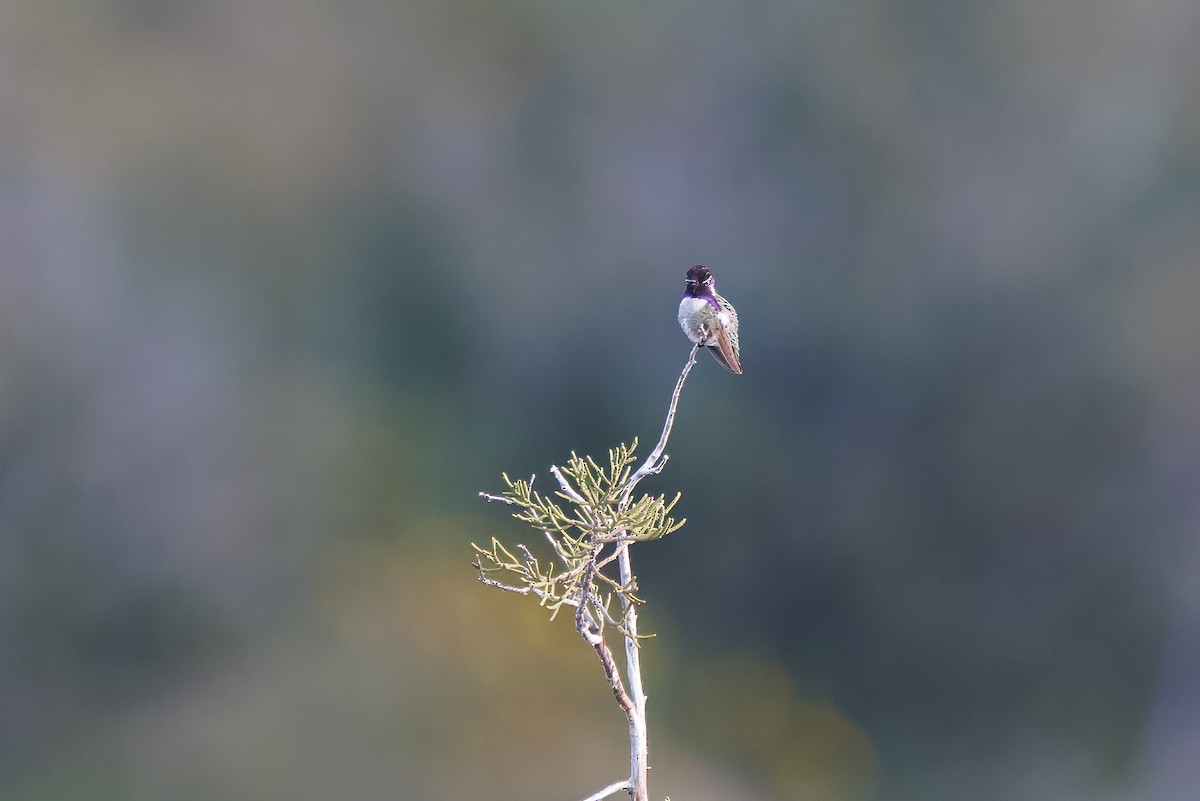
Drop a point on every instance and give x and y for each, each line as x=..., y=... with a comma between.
x=284, y=285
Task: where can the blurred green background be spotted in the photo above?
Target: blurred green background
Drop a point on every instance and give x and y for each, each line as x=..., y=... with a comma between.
x=285, y=284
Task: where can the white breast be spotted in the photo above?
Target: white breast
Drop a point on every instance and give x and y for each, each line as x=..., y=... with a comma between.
x=692, y=313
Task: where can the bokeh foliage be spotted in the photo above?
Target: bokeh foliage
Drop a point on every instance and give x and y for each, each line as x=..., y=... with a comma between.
x=285, y=284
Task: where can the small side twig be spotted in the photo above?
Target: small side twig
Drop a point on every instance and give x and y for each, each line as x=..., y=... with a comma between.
x=615, y=787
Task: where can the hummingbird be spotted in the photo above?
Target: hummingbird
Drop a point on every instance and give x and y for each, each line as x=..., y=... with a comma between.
x=708, y=319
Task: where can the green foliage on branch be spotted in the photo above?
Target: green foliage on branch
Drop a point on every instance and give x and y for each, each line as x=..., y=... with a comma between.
x=586, y=521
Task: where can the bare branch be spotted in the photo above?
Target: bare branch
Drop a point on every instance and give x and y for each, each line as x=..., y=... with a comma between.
x=657, y=460
x=566, y=487
x=613, y=674
x=615, y=787
x=526, y=590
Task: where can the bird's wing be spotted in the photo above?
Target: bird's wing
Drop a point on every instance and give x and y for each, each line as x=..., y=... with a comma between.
x=726, y=351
